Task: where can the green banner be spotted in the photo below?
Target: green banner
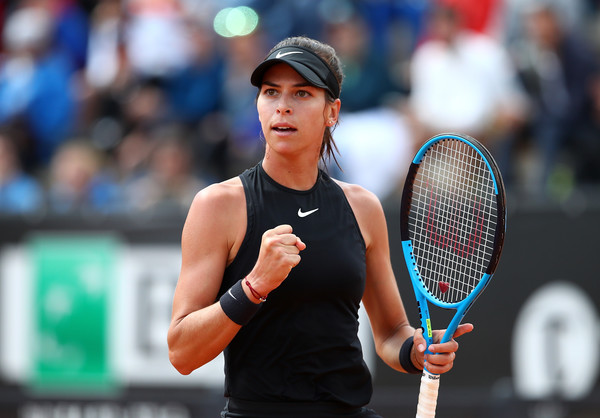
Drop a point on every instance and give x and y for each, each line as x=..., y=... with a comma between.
x=72, y=285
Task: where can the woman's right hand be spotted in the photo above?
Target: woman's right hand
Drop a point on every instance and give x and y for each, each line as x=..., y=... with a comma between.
x=279, y=254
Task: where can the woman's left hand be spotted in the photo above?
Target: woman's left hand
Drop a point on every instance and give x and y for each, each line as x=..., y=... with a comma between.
x=442, y=358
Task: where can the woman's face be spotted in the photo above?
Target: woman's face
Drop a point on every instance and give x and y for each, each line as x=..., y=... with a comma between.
x=293, y=114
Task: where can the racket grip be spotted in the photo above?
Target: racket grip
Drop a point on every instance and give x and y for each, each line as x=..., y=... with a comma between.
x=428, y=394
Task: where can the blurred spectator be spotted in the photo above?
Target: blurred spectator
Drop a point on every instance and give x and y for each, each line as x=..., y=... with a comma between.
x=195, y=90
x=20, y=193
x=463, y=81
x=478, y=15
x=170, y=182
x=375, y=149
x=156, y=41
x=35, y=81
x=116, y=70
x=144, y=104
x=239, y=96
x=107, y=75
x=396, y=28
x=141, y=66
x=283, y=18
x=71, y=27
x=367, y=79
x=80, y=182
x=104, y=54
x=573, y=15
x=559, y=70
x=131, y=156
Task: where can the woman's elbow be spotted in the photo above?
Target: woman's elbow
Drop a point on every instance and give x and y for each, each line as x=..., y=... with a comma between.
x=178, y=361
x=177, y=355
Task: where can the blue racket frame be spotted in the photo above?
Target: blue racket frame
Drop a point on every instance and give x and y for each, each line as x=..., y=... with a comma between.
x=469, y=141
x=422, y=294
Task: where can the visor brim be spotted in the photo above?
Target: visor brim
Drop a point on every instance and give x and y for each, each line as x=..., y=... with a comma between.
x=305, y=72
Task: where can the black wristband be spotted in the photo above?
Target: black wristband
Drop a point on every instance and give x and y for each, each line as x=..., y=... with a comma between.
x=404, y=356
x=237, y=306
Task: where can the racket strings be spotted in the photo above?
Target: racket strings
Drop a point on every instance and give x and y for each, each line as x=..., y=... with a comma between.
x=453, y=219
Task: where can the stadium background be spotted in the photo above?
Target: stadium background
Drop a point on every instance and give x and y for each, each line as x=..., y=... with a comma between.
x=86, y=277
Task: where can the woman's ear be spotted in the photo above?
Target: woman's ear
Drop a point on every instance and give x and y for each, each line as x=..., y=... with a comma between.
x=333, y=112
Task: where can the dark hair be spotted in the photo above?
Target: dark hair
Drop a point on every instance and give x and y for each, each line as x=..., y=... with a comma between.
x=328, y=54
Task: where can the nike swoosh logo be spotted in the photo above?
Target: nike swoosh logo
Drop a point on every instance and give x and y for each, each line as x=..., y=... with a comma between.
x=304, y=214
x=229, y=291
x=280, y=55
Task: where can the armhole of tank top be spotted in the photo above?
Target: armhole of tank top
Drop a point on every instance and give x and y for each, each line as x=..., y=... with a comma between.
x=232, y=272
x=250, y=216
x=349, y=206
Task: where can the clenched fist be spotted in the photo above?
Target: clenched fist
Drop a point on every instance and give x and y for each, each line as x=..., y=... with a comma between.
x=279, y=253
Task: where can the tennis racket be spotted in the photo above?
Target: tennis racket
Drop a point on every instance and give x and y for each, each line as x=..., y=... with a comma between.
x=452, y=229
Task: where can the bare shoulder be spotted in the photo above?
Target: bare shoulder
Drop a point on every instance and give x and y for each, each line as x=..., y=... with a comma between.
x=218, y=215
x=361, y=200
x=218, y=197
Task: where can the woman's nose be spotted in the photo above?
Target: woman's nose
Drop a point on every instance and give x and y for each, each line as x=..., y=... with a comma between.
x=284, y=107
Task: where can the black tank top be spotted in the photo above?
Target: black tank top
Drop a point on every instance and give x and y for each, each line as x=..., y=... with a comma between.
x=302, y=345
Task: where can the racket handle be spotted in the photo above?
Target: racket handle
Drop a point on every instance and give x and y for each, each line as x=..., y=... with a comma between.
x=428, y=394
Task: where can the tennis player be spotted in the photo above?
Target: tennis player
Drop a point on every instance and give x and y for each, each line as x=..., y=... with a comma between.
x=275, y=263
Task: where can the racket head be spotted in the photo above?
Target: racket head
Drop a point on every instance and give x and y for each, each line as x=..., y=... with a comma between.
x=453, y=219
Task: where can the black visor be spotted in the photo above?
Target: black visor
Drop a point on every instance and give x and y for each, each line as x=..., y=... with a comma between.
x=305, y=62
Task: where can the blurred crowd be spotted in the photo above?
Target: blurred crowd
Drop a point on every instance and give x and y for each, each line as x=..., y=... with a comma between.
x=127, y=106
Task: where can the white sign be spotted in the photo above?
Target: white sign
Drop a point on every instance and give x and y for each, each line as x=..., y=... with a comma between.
x=140, y=317
x=555, y=348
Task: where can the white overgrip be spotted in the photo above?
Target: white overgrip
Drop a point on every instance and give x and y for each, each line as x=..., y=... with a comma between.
x=428, y=394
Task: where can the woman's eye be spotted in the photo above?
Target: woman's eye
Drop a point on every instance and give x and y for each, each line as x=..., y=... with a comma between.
x=303, y=93
x=270, y=92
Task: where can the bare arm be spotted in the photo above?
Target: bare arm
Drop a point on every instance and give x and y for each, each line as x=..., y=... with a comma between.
x=199, y=328
x=212, y=235
x=381, y=299
x=389, y=322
